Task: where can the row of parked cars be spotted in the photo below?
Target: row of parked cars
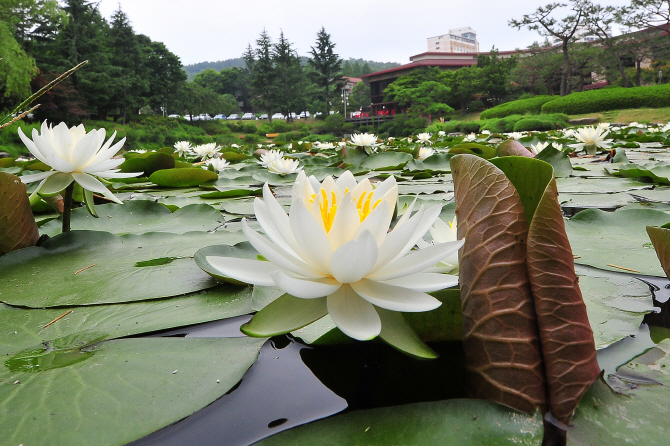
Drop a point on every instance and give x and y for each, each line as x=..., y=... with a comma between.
x=244, y=117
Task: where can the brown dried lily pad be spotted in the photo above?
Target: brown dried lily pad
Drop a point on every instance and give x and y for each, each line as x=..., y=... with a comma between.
x=512, y=147
x=660, y=238
x=17, y=224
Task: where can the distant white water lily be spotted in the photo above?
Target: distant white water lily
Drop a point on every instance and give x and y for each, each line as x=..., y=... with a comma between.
x=182, y=147
x=486, y=132
x=569, y=133
x=409, y=139
x=604, y=125
x=219, y=164
x=74, y=155
x=270, y=156
x=335, y=245
x=591, y=138
x=235, y=146
x=326, y=146
x=425, y=152
x=471, y=137
x=557, y=146
x=537, y=148
x=284, y=166
x=441, y=133
x=666, y=128
x=637, y=125
x=140, y=151
x=366, y=140
x=205, y=151
x=515, y=135
x=342, y=144
x=653, y=130
x=423, y=138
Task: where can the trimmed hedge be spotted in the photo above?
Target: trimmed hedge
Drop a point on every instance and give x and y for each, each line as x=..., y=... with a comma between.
x=610, y=99
x=530, y=106
x=508, y=124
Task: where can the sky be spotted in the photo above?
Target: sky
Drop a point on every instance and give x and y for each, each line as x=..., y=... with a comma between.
x=378, y=30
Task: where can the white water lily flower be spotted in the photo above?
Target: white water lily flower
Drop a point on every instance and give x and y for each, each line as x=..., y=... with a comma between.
x=557, y=146
x=470, y=137
x=590, y=139
x=515, y=135
x=335, y=245
x=569, y=133
x=366, y=140
x=442, y=232
x=653, y=130
x=218, y=164
x=423, y=138
x=74, y=155
x=441, y=133
x=342, y=144
x=284, y=166
x=486, y=132
x=326, y=146
x=409, y=139
x=205, y=151
x=666, y=128
x=270, y=156
x=425, y=152
x=637, y=125
x=537, y=148
x=604, y=125
x=182, y=147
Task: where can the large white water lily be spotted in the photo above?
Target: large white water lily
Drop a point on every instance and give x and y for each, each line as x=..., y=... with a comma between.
x=335, y=245
x=284, y=166
x=270, y=156
x=366, y=140
x=425, y=152
x=590, y=139
x=537, y=148
x=205, y=151
x=182, y=147
x=219, y=164
x=74, y=155
x=423, y=138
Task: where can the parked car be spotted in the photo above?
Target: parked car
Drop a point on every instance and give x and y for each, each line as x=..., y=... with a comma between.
x=263, y=116
x=234, y=117
x=278, y=116
x=249, y=116
x=204, y=117
x=219, y=116
x=305, y=115
x=294, y=116
x=188, y=117
x=174, y=116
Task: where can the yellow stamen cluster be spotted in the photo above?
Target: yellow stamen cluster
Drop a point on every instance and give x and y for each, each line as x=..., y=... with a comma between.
x=329, y=208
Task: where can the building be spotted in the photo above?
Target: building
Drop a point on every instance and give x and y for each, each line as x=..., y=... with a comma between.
x=459, y=40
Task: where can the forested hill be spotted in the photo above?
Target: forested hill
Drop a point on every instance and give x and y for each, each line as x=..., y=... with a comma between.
x=350, y=67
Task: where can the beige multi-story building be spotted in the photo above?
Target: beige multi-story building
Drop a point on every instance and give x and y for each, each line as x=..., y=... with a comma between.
x=459, y=40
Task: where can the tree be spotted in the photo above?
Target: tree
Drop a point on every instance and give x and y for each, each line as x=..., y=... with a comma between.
x=495, y=74
x=165, y=74
x=425, y=91
x=585, y=58
x=288, y=73
x=262, y=72
x=326, y=65
x=648, y=14
x=563, y=30
x=360, y=96
x=540, y=71
x=33, y=22
x=16, y=67
x=465, y=84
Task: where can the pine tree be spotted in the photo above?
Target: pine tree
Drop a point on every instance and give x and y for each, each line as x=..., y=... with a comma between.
x=262, y=73
x=289, y=73
x=326, y=65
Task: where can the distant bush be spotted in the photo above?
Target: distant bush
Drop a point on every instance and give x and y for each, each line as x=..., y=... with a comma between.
x=279, y=126
x=533, y=124
x=251, y=138
x=322, y=138
x=530, y=106
x=610, y=99
x=333, y=124
x=402, y=125
x=476, y=106
x=249, y=128
x=503, y=125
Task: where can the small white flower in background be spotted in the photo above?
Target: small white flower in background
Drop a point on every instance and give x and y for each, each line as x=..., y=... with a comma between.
x=590, y=139
x=653, y=130
x=409, y=139
x=74, y=155
x=260, y=146
x=423, y=138
x=604, y=125
x=235, y=146
x=366, y=140
x=569, y=133
x=140, y=151
x=470, y=137
x=342, y=144
x=284, y=166
x=218, y=164
x=425, y=152
x=326, y=146
x=335, y=245
x=270, y=156
x=390, y=139
x=486, y=132
x=666, y=128
x=537, y=148
x=271, y=145
x=557, y=146
x=637, y=125
x=515, y=135
x=205, y=151
x=182, y=147
x=441, y=133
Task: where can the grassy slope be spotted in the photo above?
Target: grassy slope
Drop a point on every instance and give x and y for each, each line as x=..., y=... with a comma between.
x=630, y=115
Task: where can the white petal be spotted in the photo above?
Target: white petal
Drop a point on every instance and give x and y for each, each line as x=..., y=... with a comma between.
x=346, y=181
x=254, y=272
x=94, y=185
x=113, y=174
x=277, y=255
x=424, y=225
x=397, y=239
x=394, y=298
x=416, y=261
x=31, y=147
x=305, y=289
x=377, y=222
x=424, y=282
x=353, y=260
x=85, y=149
x=25, y=179
x=62, y=144
x=346, y=222
x=353, y=315
x=106, y=152
x=311, y=237
x=101, y=166
x=269, y=227
x=277, y=215
x=56, y=183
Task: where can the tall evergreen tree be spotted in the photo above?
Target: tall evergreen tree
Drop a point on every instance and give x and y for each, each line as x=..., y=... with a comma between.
x=165, y=74
x=326, y=65
x=262, y=73
x=288, y=73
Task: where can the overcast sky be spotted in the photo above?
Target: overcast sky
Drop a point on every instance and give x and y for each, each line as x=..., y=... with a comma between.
x=379, y=30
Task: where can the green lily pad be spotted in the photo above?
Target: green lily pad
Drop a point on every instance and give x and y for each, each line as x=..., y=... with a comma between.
x=117, y=391
x=658, y=172
x=616, y=238
x=127, y=268
x=81, y=326
x=559, y=161
x=182, y=177
x=138, y=217
x=386, y=161
x=148, y=163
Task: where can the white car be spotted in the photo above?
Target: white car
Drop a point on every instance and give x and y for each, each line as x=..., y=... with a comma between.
x=219, y=116
x=249, y=116
x=204, y=117
x=234, y=117
x=305, y=115
x=174, y=116
x=278, y=116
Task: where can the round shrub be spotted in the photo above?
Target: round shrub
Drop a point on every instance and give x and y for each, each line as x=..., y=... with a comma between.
x=530, y=124
x=610, y=99
x=530, y=106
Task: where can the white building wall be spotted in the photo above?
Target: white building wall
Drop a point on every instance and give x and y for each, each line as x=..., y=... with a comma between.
x=459, y=40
